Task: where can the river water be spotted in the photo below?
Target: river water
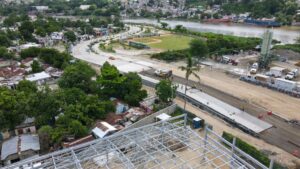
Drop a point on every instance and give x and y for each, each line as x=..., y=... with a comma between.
x=281, y=34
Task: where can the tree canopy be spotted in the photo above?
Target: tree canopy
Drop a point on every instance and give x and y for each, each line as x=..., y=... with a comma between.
x=78, y=75
x=165, y=91
x=198, y=49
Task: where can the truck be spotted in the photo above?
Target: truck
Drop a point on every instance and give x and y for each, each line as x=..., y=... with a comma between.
x=292, y=74
x=165, y=73
x=276, y=71
x=284, y=84
x=253, y=68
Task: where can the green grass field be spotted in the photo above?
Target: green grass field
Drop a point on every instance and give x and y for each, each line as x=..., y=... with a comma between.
x=168, y=42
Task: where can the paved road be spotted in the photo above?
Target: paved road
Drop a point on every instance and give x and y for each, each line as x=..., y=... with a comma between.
x=283, y=134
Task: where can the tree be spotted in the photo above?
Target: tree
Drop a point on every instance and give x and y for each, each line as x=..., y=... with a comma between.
x=76, y=128
x=45, y=137
x=165, y=91
x=189, y=69
x=78, y=75
x=45, y=107
x=11, y=108
x=5, y=54
x=4, y=40
x=26, y=29
x=198, y=49
x=132, y=89
x=164, y=25
x=70, y=36
x=27, y=87
x=30, y=52
x=95, y=108
x=110, y=81
x=36, y=67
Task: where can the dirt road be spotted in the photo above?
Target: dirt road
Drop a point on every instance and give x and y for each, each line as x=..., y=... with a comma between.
x=283, y=135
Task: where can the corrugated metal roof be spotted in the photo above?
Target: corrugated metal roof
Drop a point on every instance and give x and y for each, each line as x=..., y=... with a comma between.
x=30, y=142
x=27, y=142
x=9, y=147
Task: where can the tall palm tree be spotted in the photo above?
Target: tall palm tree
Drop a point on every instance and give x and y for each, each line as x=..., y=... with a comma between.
x=190, y=69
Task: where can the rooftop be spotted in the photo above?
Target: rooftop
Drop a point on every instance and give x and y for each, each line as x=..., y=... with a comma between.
x=159, y=145
x=19, y=144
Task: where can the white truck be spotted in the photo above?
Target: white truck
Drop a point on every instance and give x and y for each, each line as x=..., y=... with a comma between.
x=254, y=68
x=292, y=74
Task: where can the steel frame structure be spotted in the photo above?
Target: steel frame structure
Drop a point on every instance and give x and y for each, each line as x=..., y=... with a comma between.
x=162, y=145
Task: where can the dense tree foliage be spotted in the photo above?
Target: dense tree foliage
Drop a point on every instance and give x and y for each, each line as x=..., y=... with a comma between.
x=11, y=108
x=114, y=84
x=131, y=89
x=78, y=75
x=198, y=49
x=70, y=36
x=51, y=56
x=26, y=29
x=170, y=56
x=5, y=54
x=165, y=91
x=110, y=81
x=36, y=67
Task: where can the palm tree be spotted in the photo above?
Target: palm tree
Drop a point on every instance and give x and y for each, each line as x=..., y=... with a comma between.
x=189, y=69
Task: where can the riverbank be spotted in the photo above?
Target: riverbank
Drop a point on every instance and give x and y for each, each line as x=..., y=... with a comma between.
x=282, y=34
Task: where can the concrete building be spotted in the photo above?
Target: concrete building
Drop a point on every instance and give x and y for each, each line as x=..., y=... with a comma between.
x=19, y=147
x=27, y=127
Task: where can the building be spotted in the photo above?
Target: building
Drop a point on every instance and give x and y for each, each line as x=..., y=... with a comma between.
x=28, y=45
x=103, y=129
x=57, y=36
x=39, y=78
x=27, y=127
x=41, y=8
x=84, y=7
x=19, y=147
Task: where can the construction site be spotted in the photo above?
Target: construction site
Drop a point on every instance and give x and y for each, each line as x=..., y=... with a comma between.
x=253, y=109
x=164, y=144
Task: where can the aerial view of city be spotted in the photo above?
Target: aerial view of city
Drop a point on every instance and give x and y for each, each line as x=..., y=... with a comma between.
x=150, y=84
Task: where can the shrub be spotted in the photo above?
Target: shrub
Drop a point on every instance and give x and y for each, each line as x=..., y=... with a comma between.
x=251, y=150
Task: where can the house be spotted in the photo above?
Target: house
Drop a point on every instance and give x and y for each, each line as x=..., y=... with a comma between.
x=84, y=7
x=19, y=147
x=103, y=129
x=28, y=45
x=57, y=36
x=39, y=78
x=27, y=62
x=26, y=127
x=41, y=8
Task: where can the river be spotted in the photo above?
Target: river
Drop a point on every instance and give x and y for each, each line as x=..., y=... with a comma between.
x=282, y=34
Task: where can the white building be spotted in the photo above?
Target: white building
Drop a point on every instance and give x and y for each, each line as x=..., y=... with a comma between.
x=28, y=45
x=57, y=36
x=39, y=78
x=84, y=7
x=103, y=129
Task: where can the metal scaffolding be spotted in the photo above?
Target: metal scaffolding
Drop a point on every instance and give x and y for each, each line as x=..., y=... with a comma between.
x=164, y=145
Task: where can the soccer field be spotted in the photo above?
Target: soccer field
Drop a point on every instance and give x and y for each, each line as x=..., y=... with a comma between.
x=166, y=42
